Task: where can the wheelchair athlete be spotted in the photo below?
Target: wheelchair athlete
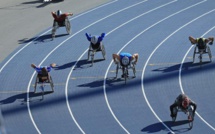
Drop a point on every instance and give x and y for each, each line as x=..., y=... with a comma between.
x=95, y=41
x=201, y=42
x=183, y=102
x=125, y=59
x=43, y=71
x=59, y=20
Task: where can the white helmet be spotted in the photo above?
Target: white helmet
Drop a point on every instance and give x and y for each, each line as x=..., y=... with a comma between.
x=94, y=39
x=59, y=12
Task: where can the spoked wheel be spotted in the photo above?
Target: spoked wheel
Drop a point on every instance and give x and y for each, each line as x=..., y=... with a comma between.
x=42, y=88
x=103, y=51
x=173, y=119
x=35, y=86
x=134, y=70
x=200, y=58
x=52, y=84
x=92, y=57
x=68, y=26
x=194, y=54
x=117, y=68
x=191, y=124
x=194, y=57
x=209, y=54
x=125, y=73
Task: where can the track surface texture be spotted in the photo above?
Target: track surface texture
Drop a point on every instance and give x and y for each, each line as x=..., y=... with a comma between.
x=88, y=99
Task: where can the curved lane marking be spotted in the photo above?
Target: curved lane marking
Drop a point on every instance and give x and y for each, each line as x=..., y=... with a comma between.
x=49, y=31
x=28, y=88
x=180, y=81
x=151, y=56
x=66, y=88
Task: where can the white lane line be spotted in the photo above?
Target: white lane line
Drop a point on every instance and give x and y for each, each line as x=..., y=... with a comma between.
x=29, y=84
x=49, y=31
x=28, y=88
x=180, y=82
x=150, y=58
x=66, y=89
x=14, y=55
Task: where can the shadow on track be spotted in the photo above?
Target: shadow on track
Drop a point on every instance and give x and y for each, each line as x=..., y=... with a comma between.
x=99, y=83
x=22, y=96
x=82, y=64
x=43, y=4
x=186, y=66
x=157, y=127
x=41, y=39
x=109, y=83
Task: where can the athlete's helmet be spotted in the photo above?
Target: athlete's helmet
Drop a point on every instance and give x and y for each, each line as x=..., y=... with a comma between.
x=125, y=61
x=58, y=13
x=94, y=39
x=201, y=42
x=185, y=102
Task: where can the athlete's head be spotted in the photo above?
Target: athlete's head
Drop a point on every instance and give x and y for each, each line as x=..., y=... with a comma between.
x=201, y=42
x=94, y=39
x=185, y=102
x=58, y=13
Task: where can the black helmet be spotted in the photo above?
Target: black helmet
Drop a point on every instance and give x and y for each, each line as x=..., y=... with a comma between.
x=201, y=42
x=59, y=12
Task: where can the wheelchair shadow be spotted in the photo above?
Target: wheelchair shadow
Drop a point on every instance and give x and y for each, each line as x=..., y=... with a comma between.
x=23, y=97
x=186, y=66
x=100, y=83
x=41, y=39
x=157, y=127
x=81, y=64
x=43, y=3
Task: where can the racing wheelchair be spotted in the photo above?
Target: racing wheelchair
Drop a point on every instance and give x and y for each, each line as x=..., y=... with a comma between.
x=188, y=112
x=95, y=48
x=65, y=23
x=125, y=65
x=43, y=79
x=202, y=50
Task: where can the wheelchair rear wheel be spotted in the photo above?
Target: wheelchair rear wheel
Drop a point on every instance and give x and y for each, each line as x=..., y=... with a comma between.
x=117, y=68
x=191, y=124
x=103, y=51
x=125, y=74
x=134, y=70
x=68, y=26
x=52, y=84
x=209, y=54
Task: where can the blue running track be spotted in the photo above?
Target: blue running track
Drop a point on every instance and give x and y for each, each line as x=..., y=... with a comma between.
x=87, y=99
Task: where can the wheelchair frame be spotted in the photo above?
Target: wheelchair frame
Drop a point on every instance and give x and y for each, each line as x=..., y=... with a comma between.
x=56, y=26
x=201, y=52
x=47, y=79
x=92, y=52
x=125, y=70
x=188, y=112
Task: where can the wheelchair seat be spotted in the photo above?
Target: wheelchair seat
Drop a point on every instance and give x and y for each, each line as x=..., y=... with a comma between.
x=96, y=48
x=202, y=50
x=65, y=23
x=125, y=64
x=42, y=78
x=61, y=24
